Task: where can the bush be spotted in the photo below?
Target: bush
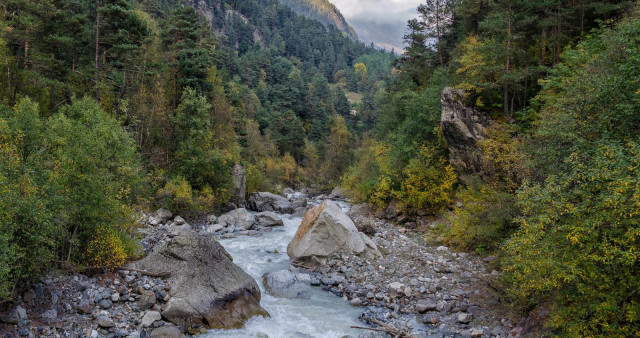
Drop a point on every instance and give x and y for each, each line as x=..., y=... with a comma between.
x=486, y=218
x=63, y=180
x=105, y=249
x=580, y=241
x=427, y=182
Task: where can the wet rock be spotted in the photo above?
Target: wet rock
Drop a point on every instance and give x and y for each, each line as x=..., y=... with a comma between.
x=213, y=228
x=265, y=201
x=268, y=219
x=240, y=218
x=286, y=284
x=355, y=302
x=206, y=288
x=325, y=230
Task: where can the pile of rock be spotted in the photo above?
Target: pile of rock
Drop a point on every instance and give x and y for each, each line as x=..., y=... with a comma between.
x=431, y=289
x=242, y=222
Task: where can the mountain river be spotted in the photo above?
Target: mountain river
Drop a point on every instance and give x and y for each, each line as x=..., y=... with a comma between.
x=323, y=315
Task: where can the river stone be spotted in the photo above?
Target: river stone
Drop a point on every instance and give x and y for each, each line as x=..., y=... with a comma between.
x=105, y=322
x=240, y=218
x=266, y=201
x=213, y=228
x=424, y=305
x=286, y=284
x=206, y=288
x=268, y=219
x=162, y=216
x=147, y=300
x=166, y=331
x=179, y=220
x=150, y=317
x=325, y=230
x=464, y=318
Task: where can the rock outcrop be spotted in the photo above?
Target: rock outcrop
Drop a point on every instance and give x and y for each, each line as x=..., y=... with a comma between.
x=326, y=230
x=206, y=288
x=266, y=201
x=462, y=128
x=238, y=176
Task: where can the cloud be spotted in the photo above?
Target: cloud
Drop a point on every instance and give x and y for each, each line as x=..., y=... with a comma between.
x=382, y=22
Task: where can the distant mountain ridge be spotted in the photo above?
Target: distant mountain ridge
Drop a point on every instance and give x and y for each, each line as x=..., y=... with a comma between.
x=323, y=11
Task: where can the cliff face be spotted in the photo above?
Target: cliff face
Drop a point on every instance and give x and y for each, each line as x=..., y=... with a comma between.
x=462, y=128
x=323, y=11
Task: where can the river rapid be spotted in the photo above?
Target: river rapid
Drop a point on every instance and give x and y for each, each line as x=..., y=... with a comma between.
x=322, y=315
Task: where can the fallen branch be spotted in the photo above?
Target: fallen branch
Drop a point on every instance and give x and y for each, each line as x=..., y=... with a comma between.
x=394, y=332
x=148, y=273
x=65, y=265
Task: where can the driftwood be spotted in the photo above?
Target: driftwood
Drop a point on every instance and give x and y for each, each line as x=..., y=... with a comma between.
x=148, y=273
x=386, y=328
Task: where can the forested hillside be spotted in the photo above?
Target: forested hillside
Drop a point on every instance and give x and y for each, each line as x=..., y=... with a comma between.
x=555, y=191
x=323, y=11
x=113, y=105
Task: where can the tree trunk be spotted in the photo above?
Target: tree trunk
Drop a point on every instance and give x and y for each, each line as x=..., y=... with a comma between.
x=506, y=82
x=96, y=80
x=438, y=32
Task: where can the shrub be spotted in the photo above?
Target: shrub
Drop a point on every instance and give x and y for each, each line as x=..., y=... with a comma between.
x=580, y=242
x=105, y=249
x=427, y=182
x=486, y=218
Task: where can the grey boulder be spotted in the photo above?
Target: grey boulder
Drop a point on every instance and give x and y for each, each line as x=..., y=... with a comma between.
x=286, y=284
x=240, y=218
x=206, y=288
x=325, y=230
x=268, y=219
x=266, y=201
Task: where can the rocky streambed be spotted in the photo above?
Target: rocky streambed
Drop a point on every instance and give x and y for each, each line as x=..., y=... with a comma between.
x=412, y=287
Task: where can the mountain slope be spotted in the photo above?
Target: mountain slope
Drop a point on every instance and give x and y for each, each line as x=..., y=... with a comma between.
x=323, y=11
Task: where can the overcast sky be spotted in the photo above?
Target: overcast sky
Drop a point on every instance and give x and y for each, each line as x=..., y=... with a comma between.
x=382, y=22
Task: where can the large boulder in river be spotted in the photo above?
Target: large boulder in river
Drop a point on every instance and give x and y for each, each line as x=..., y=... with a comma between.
x=206, y=288
x=266, y=201
x=325, y=230
x=462, y=128
x=238, y=176
x=240, y=218
x=286, y=284
x=269, y=219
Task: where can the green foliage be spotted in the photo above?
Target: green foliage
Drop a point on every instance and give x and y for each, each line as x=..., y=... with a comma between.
x=578, y=238
x=427, y=181
x=65, y=179
x=485, y=219
x=579, y=242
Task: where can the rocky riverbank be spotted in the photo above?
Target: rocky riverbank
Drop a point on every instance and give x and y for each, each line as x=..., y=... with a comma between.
x=425, y=290
x=416, y=288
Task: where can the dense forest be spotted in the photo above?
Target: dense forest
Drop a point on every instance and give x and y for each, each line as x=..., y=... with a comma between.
x=112, y=106
x=556, y=194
